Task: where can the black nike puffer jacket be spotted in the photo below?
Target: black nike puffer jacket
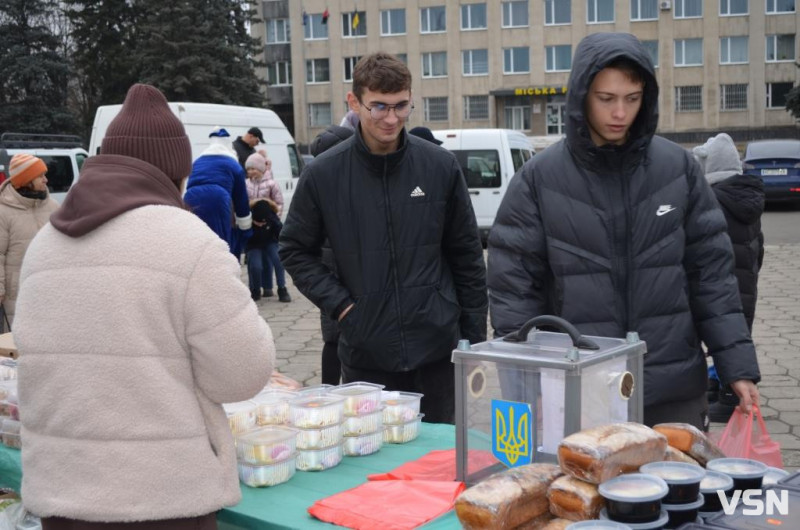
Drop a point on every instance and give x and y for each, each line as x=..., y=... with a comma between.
x=622, y=238
x=406, y=248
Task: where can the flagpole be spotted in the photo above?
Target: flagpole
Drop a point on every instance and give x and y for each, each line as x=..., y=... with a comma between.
x=305, y=82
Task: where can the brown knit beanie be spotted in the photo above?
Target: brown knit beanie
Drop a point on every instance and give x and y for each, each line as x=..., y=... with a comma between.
x=146, y=128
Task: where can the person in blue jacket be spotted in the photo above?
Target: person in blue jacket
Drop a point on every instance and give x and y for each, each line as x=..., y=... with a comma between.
x=217, y=193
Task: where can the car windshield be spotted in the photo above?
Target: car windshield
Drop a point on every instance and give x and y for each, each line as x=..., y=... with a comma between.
x=776, y=149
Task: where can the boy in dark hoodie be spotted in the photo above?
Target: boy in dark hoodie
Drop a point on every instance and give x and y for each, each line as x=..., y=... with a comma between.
x=741, y=198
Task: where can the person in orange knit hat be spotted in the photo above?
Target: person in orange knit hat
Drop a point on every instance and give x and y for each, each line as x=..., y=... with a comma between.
x=25, y=206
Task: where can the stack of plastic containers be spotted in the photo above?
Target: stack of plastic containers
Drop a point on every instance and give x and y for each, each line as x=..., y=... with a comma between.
x=241, y=416
x=319, y=420
x=683, y=500
x=635, y=500
x=401, y=416
x=9, y=410
x=272, y=406
x=267, y=456
x=363, y=423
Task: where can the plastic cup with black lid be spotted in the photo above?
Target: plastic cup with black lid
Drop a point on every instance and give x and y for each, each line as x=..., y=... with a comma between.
x=658, y=524
x=683, y=513
x=634, y=498
x=710, y=486
x=747, y=474
x=682, y=479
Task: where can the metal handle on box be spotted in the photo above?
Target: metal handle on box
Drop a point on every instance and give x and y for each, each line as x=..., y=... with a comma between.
x=578, y=340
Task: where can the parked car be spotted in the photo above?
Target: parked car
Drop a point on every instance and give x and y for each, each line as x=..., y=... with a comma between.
x=63, y=155
x=488, y=159
x=777, y=163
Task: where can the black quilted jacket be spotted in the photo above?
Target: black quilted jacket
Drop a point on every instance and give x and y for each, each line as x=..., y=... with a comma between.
x=622, y=238
x=406, y=250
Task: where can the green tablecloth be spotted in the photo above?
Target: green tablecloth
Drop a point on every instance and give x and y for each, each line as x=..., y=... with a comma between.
x=285, y=506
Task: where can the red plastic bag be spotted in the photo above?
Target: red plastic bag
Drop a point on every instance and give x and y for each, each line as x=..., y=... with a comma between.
x=738, y=439
x=436, y=465
x=388, y=504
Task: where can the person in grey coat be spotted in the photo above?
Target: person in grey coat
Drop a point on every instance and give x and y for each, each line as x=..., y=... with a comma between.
x=616, y=230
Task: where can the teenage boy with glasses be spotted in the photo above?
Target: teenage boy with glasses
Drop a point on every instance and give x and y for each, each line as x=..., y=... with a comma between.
x=410, y=277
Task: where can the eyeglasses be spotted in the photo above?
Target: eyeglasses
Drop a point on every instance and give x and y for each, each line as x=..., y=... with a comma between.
x=381, y=110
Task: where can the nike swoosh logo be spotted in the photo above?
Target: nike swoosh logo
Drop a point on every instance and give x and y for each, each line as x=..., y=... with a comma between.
x=661, y=212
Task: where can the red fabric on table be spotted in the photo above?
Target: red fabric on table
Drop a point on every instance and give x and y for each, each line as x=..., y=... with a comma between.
x=388, y=504
x=436, y=465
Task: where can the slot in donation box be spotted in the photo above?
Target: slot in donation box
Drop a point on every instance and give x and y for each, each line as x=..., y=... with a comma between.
x=518, y=396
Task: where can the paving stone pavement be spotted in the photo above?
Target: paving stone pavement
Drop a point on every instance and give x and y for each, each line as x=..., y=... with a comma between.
x=776, y=332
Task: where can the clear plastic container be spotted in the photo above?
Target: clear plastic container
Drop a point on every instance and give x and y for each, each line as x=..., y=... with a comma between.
x=400, y=407
x=316, y=411
x=10, y=426
x=272, y=406
x=365, y=424
x=366, y=444
x=404, y=432
x=320, y=438
x=360, y=398
x=319, y=459
x=269, y=475
x=11, y=440
x=267, y=445
x=322, y=389
x=241, y=416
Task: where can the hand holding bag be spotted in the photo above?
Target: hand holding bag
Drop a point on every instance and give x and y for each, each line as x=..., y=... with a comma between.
x=739, y=440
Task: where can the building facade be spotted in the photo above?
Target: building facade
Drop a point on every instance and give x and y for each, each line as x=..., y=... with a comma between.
x=722, y=65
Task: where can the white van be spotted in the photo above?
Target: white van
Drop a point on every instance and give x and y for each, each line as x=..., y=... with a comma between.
x=199, y=119
x=488, y=158
x=62, y=154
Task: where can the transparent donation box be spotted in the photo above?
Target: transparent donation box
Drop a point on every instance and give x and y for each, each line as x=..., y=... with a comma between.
x=518, y=396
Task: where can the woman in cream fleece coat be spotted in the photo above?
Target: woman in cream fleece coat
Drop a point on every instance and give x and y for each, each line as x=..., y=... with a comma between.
x=133, y=326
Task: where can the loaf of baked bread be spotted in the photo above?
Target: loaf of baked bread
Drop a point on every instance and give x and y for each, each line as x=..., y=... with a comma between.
x=557, y=524
x=537, y=523
x=690, y=440
x=574, y=499
x=600, y=453
x=507, y=499
x=674, y=455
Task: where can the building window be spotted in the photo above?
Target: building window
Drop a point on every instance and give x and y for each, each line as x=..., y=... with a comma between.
x=556, y=116
x=435, y=109
x=314, y=28
x=728, y=8
x=558, y=58
x=476, y=107
x=432, y=19
x=354, y=24
x=349, y=65
x=775, y=7
x=393, y=22
x=688, y=52
x=733, y=97
x=318, y=71
x=473, y=16
x=599, y=11
x=688, y=8
x=733, y=50
x=780, y=48
x=403, y=57
x=518, y=117
x=652, y=48
x=475, y=62
x=319, y=114
x=434, y=64
x=776, y=94
x=557, y=12
x=644, y=9
x=515, y=14
x=688, y=98
x=516, y=60
x=278, y=31
x=279, y=74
